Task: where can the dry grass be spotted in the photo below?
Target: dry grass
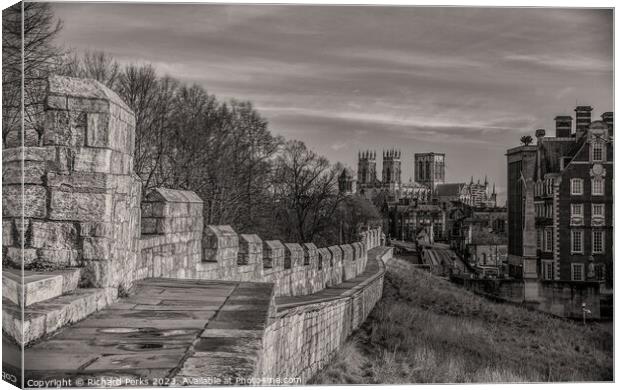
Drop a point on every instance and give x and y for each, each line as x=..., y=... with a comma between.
x=427, y=330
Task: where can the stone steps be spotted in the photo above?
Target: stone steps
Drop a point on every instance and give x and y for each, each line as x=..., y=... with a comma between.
x=37, y=286
x=42, y=318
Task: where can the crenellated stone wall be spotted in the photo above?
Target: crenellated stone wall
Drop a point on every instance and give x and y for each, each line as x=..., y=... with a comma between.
x=172, y=227
x=81, y=197
x=295, y=269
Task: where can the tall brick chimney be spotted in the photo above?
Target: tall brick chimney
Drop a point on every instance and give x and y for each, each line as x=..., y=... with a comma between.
x=583, y=118
x=608, y=118
x=563, y=126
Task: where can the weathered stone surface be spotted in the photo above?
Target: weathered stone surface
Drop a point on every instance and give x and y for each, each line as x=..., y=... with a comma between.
x=80, y=206
x=35, y=287
x=93, y=160
x=57, y=257
x=34, y=201
x=17, y=256
x=7, y=232
x=94, y=248
x=53, y=235
x=48, y=316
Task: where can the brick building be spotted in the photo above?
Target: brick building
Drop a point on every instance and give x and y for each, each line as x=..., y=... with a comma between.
x=571, y=180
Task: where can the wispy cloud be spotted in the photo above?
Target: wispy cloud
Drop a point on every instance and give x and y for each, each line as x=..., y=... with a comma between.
x=573, y=62
x=464, y=81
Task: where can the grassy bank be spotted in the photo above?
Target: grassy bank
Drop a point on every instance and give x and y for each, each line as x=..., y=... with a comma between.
x=426, y=330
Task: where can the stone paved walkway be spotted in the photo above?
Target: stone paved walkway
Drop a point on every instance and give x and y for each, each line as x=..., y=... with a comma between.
x=158, y=336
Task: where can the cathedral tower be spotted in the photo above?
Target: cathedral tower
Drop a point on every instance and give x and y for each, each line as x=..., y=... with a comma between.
x=430, y=169
x=391, y=170
x=366, y=169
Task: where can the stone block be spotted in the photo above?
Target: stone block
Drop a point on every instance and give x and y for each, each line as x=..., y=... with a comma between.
x=96, y=248
x=96, y=229
x=325, y=257
x=83, y=182
x=250, y=249
x=34, y=205
x=79, y=206
x=92, y=160
x=57, y=257
x=17, y=256
x=53, y=235
x=7, y=232
x=56, y=102
x=310, y=254
x=216, y=237
x=336, y=252
x=97, y=133
x=87, y=105
x=273, y=254
x=104, y=274
x=293, y=255
x=57, y=129
x=14, y=139
x=31, y=173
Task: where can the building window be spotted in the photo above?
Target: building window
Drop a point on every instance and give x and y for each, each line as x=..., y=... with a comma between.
x=547, y=270
x=548, y=240
x=576, y=210
x=599, y=272
x=598, y=210
x=576, y=244
x=597, y=151
x=576, y=187
x=598, y=186
x=539, y=239
x=598, y=241
x=577, y=271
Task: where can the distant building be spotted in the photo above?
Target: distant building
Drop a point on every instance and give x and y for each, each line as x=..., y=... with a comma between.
x=346, y=182
x=478, y=235
x=471, y=194
x=430, y=169
x=565, y=185
x=424, y=202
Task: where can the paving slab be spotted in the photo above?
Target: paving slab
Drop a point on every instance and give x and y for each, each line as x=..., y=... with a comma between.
x=162, y=330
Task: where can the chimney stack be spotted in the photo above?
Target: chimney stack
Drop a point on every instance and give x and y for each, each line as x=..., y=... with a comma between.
x=583, y=118
x=608, y=118
x=540, y=133
x=563, y=126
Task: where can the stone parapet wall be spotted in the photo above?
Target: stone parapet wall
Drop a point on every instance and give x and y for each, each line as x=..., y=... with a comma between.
x=172, y=227
x=295, y=269
x=174, y=244
x=302, y=339
x=81, y=196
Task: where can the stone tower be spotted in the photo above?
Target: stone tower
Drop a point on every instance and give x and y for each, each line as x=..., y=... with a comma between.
x=346, y=182
x=430, y=169
x=366, y=169
x=391, y=170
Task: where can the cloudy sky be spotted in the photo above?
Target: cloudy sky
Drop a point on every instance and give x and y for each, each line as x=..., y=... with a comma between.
x=464, y=81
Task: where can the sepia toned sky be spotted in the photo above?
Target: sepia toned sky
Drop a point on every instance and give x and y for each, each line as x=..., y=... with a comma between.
x=468, y=82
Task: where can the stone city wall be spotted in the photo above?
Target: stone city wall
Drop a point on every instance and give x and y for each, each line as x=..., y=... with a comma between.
x=172, y=226
x=301, y=340
x=81, y=197
x=295, y=269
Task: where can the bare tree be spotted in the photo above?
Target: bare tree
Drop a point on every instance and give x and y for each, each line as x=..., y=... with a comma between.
x=36, y=33
x=306, y=192
x=97, y=65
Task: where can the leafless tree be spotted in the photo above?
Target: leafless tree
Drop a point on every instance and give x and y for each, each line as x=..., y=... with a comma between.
x=306, y=192
x=36, y=33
